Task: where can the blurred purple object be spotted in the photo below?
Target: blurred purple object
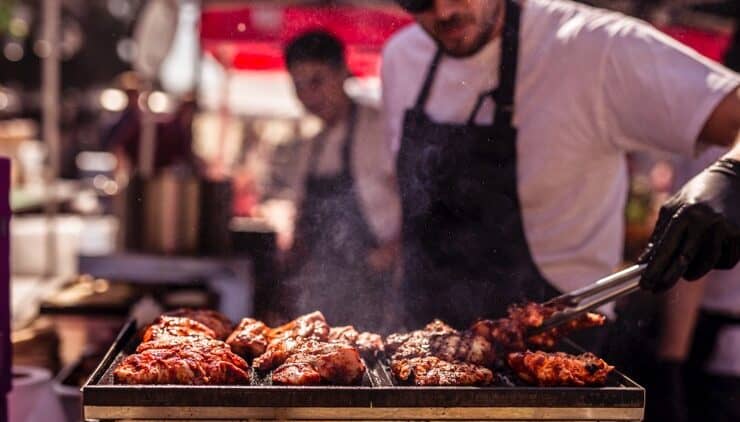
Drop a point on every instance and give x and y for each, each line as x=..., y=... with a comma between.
x=5, y=346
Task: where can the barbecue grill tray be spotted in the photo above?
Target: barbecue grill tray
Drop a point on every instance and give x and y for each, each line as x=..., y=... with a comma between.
x=379, y=397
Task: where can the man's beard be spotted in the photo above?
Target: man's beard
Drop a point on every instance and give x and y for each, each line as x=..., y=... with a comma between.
x=483, y=37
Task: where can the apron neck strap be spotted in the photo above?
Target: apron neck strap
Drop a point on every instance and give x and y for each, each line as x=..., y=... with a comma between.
x=318, y=145
x=421, y=100
x=504, y=94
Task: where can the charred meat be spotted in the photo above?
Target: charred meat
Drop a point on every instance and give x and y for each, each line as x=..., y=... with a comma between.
x=430, y=370
x=508, y=334
x=559, y=369
x=250, y=338
x=190, y=366
x=334, y=363
x=169, y=326
x=216, y=321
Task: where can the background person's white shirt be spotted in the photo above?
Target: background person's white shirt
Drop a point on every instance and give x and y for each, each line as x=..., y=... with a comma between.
x=591, y=85
x=371, y=166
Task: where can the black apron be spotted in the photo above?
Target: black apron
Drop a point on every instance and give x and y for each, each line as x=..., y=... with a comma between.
x=334, y=277
x=711, y=398
x=464, y=249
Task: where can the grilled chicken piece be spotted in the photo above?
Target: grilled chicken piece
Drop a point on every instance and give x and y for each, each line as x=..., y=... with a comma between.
x=369, y=344
x=508, y=334
x=335, y=363
x=249, y=339
x=276, y=353
x=444, y=342
x=182, y=366
x=306, y=326
x=216, y=321
x=430, y=370
x=346, y=334
x=169, y=326
x=559, y=369
x=298, y=373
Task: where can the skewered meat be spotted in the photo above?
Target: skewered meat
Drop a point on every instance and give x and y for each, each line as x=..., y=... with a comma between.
x=430, y=370
x=182, y=366
x=168, y=326
x=250, y=338
x=558, y=369
x=508, y=334
x=306, y=326
x=216, y=321
x=335, y=363
x=369, y=344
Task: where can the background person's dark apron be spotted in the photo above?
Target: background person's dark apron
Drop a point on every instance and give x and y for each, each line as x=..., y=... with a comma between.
x=334, y=277
x=710, y=397
x=464, y=249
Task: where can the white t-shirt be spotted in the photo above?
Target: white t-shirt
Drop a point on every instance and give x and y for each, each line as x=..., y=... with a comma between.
x=591, y=85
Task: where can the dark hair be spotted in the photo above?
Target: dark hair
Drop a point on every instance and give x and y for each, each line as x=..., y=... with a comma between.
x=315, y=45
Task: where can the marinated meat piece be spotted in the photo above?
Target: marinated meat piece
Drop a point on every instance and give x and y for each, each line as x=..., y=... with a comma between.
x=466, y=347
x=369, y=344
x=306, y=326
x=216, y=321
x=168, y=326
x=442, y=341
x=180, y=366
x=396, y=340
x=430, y=370
x=508, y=333
x=298, y=373
x=276, y=353
x=336, y=363
x=249, y=339
x=559, y=369
x=504, y=333
x=346, y=334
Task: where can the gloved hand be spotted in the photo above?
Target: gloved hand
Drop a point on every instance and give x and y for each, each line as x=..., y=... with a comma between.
x=698, y=229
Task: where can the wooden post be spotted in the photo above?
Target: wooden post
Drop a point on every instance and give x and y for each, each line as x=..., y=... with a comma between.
x=5, y=345
x=50, y=87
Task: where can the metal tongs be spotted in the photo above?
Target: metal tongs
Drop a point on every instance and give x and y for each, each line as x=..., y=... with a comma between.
x=574, y=304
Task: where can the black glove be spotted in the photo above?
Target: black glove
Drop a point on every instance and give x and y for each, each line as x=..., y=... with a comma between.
x=698, y=229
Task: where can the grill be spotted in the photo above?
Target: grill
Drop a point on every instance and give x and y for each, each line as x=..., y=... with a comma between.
x=379, y=397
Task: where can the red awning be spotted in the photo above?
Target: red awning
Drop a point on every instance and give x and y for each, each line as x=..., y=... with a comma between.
x=254, y=37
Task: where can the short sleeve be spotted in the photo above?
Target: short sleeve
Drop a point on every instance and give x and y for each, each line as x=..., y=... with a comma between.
x=658, y=93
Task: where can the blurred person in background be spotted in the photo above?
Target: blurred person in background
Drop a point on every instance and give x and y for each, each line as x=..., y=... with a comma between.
x=698, y=355
x=348, y=210
x=173, y=138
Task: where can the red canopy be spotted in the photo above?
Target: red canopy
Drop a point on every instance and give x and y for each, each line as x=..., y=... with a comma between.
x=254, y=37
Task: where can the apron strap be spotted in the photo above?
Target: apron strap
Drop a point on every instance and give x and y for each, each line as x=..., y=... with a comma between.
x=349, y=141
x=318, y=145
x=421, y=100
x=504, y=94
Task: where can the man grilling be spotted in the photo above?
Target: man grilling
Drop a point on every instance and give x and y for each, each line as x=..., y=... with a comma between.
x=511, y=120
